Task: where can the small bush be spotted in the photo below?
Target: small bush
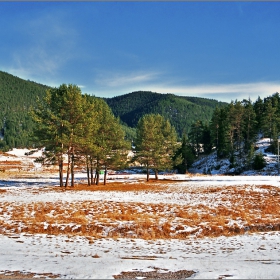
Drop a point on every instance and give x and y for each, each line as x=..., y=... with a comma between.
x=217, y=167
x=259, y=162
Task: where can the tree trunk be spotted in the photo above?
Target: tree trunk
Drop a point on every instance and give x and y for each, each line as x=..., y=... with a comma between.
x=156, y=174
x=72, y=168
x=88, y=173
x=148, y=173
x=92, y=181
x=68, y=170
x=60, y=165
x=97, y=176
x=97, y=172
x=105, y=175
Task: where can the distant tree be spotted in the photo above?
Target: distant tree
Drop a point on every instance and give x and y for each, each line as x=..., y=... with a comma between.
x=206, y=139
x=187, y=154
x=270, y=119
x=259, y=161
x=250, y=124
x=259, y=111
x=195, y=136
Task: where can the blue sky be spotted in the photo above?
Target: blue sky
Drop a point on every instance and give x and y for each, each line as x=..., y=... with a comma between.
x=219, y=50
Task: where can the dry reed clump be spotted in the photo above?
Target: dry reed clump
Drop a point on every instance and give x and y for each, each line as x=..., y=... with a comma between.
x=237, y=210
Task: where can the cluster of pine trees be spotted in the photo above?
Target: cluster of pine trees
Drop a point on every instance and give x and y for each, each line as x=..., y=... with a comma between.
x=156, y=144
x=84, y=128
x=81, y=127
x=234, y=128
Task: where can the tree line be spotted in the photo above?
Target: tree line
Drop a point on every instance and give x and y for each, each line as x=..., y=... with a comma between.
x=83, y=128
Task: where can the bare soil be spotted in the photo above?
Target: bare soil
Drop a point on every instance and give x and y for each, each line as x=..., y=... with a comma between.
x=28, y=275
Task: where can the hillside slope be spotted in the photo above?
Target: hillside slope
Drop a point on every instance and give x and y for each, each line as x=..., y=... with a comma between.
x=16, y=98
x=180, y=110
x=209, y=164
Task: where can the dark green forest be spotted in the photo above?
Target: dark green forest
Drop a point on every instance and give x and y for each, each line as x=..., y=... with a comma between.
x=181, y=111
x=17, y=96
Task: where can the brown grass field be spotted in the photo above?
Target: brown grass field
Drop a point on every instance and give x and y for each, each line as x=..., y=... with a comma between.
x=238, y=210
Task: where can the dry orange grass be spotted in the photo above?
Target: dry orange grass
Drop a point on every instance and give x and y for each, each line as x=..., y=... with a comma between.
x=238, y=210
x=10, y=162
x=152, y=185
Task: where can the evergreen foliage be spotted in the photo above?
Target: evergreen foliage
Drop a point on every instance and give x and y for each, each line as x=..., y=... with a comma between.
x=156, y=143
x=234, y=129
x=187, y=154
x=259, y=162
x=83, y=128
x=17, y=96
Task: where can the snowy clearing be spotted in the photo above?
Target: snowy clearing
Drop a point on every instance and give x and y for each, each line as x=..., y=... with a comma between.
x=215, y=226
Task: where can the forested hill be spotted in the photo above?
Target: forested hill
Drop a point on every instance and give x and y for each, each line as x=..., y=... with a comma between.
x=182, y=111
x=16, y=97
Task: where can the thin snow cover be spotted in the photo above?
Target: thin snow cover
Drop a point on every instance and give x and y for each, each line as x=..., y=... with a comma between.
x=26, y=152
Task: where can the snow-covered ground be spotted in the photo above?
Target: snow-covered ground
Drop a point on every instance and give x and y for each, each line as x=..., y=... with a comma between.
x=250, y=255
x=211, y=165
x=254, y=256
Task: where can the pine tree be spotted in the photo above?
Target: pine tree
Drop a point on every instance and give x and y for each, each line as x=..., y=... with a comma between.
x=156, y=143
x=59, y=119
x=250, y=124
x=187, y=155
x=270, y=119
x=195, y=136
x=104, y=143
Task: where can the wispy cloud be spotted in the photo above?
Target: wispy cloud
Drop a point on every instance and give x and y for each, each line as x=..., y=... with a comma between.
x=49, y=44
x=114, y=80
x=224, y=92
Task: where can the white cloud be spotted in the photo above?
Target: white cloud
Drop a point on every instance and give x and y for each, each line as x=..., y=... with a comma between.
x=125, y=79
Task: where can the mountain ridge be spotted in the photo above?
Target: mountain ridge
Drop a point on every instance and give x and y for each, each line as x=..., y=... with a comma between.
x=182, y=111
